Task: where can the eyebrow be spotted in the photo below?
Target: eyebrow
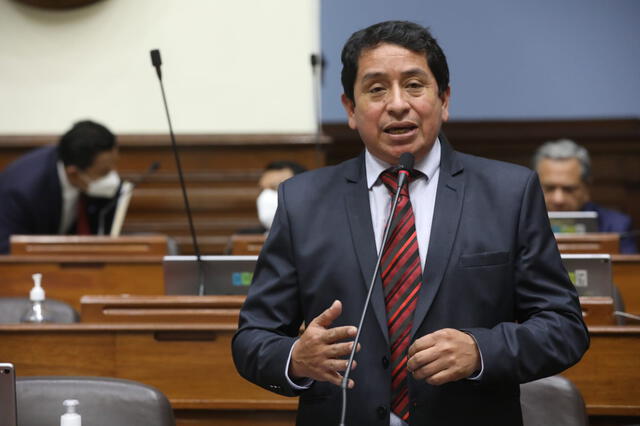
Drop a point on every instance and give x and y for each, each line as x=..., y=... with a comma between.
x=408, y=73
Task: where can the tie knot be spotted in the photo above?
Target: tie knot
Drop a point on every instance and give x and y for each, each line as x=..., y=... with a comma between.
x=390, y=179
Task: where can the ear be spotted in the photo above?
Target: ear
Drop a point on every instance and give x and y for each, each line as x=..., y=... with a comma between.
x=444, y=115
x=349, y=107
x=73, y=176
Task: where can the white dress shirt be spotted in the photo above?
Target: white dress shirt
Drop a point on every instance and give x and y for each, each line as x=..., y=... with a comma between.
x=70, y=196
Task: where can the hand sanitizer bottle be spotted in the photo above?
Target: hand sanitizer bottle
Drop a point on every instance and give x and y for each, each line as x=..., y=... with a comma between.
x=36, y=313
x=70, y=417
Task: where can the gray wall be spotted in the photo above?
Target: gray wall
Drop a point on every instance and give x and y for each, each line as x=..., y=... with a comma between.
x=556, y=59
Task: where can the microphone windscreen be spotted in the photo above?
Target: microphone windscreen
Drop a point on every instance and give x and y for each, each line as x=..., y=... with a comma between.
x=406, y=161
x=155, y=58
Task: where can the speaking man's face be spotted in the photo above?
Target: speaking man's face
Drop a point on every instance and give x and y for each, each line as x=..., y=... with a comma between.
x=397, y=108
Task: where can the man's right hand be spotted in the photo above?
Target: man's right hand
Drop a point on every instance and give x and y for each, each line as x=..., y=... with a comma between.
x=319, y=351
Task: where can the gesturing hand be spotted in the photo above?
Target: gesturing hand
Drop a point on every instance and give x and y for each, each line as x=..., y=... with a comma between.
x=318, y=353
x=443, y=356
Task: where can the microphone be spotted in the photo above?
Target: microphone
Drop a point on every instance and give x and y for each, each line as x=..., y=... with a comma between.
x=111, y=204
x=156, y=61
x=405, y=167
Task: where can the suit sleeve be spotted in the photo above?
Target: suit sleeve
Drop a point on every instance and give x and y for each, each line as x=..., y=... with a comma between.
x=14, y=217
x=271, y=316
x=549, y=335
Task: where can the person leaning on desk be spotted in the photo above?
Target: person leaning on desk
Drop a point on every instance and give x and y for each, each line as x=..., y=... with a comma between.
x=564, y=169
x=487, y=304
x=60, y=189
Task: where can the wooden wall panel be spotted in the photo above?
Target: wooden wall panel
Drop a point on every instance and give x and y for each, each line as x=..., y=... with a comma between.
x=614, y=146
x=221, y=175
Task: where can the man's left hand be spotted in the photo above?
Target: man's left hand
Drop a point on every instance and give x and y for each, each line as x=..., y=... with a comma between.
x=443, y=356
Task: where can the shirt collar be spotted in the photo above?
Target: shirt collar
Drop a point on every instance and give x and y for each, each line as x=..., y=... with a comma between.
x=427, y=166
x=65, y=185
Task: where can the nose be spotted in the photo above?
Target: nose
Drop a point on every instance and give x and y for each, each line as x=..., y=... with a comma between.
x=558, y=198
x=397, y=104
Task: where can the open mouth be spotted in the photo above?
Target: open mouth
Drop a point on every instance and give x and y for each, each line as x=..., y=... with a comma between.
x=400, y=129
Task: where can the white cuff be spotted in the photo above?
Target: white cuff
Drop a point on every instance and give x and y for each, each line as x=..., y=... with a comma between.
x=479, y=375
x=306, y=383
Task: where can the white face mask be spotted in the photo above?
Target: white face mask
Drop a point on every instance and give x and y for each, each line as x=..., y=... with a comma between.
x=267, y=204
x=105, y=187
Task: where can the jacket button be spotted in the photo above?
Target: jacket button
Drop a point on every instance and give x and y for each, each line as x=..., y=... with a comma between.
x=385, y=362
x=382, y=412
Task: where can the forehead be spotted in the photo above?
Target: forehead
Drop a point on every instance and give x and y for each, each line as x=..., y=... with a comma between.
x=104, y=162
x=387, y=57
x=566, y=169
x=272, y=178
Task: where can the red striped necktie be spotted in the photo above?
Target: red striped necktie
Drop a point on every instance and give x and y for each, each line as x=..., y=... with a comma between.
x=401, y=279
x=82, y=221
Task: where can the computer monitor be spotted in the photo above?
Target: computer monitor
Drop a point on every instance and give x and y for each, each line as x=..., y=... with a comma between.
x=8, y=409
x=222, y=274
x=573, y=222
x=590, y=273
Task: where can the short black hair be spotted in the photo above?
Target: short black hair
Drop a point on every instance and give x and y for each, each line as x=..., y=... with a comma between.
x=291, y=165
x=80, y=145
x=402, y=33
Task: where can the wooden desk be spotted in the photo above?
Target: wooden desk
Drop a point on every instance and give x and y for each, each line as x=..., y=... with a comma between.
x=597, y=310
x=161, y=309
x=246, y=244
x=608, y=374
x=626, y=275
x=87, y=245
x=67, y=279
x=597, y=242
x=190, y=364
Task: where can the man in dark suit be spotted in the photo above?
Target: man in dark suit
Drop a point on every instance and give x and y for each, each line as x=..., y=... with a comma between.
x=61, y=189
x=490, y=307
x=564, y=168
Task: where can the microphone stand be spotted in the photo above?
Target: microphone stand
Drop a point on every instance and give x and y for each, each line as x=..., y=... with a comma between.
x=402, y=176
x=317, y=71
x=156, y=61
x=106, y=209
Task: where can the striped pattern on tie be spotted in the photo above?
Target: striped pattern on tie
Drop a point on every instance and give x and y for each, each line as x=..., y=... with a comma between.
x=401, y=278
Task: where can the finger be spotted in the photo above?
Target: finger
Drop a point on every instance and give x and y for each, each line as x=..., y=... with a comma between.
x=442, y=377
x=333, y=377
x=340, y=333
x=336, y=378
x=421, y=344
x=422, y=358
x=329, y=315
x=339, y=350
x=429, y=369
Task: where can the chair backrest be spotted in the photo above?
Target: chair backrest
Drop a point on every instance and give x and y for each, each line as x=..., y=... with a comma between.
x=103, y=401
x=552, y=401
x=12, y=308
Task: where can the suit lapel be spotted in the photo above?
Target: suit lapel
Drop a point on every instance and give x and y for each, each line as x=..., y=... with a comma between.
x=361, y=227
x=447, y=211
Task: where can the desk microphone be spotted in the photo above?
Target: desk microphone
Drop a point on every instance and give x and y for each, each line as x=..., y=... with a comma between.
x=405, y=167
x=156, y=61
x=111, y=204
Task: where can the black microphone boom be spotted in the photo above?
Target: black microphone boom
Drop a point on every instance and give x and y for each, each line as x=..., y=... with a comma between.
x=405, y=168
x=156, y=61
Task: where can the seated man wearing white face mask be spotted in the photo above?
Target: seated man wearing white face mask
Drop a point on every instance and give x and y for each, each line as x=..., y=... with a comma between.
x=60, y=189
x=267, y=202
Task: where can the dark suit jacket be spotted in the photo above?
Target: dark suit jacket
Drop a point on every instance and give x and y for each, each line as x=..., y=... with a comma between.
x=31, y=198
x=492, y=269
x=614, y=221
